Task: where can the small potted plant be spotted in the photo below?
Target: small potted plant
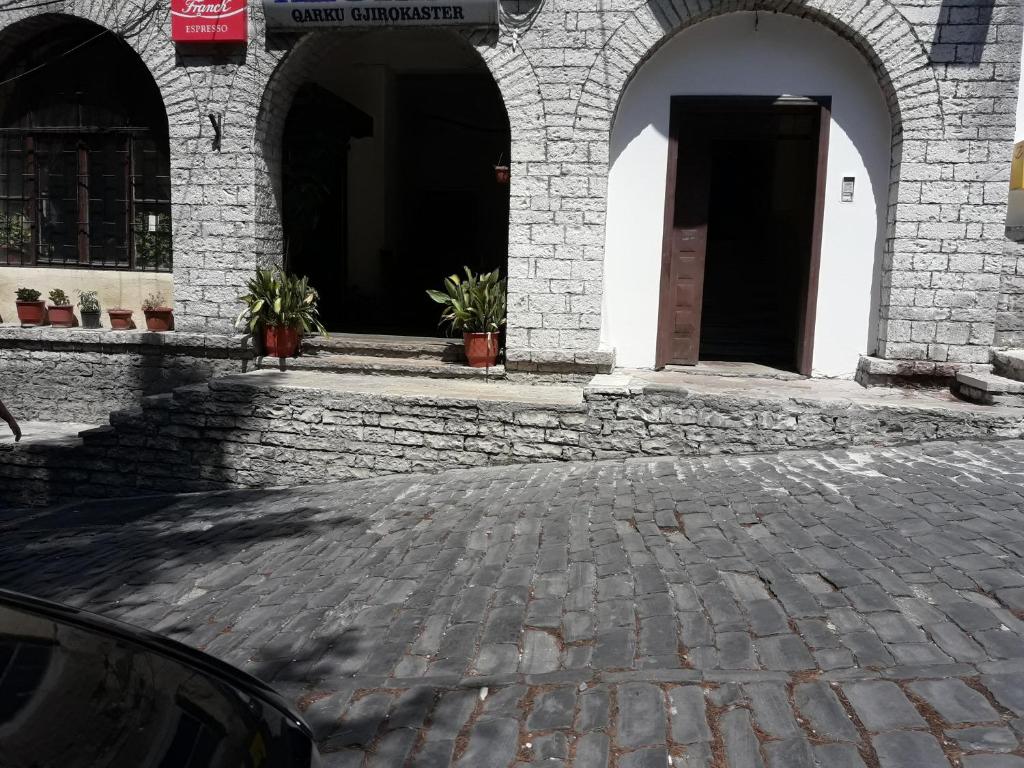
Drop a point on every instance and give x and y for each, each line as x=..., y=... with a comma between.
x=502, y=173
x=89, y=309
x=475, y=306
x=31, y=310
x=280, y=307
x=120, y=319
x=60, y=312
x=159, y=316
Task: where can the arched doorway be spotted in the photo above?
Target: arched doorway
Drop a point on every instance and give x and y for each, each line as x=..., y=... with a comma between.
x=84, y=157
x=388, y=180
x=766, y=85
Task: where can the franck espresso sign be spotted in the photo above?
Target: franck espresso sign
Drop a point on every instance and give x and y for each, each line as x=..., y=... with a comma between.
x=208, y=21
x=309, y=14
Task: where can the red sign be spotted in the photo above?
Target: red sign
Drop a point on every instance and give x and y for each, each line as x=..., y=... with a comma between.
x=209, y=21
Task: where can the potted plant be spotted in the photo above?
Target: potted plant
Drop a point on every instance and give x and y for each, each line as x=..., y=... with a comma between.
x=31, y=310
x=120, y=319
x=502, y=173
x=475, y=306
x=159, y=316
x=281, y=307
x=89, y=309
x=60, y=312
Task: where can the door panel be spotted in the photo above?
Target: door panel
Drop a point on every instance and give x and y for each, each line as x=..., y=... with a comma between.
x=684, y=247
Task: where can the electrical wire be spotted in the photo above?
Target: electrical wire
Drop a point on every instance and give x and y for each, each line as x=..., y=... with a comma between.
x=69, y=51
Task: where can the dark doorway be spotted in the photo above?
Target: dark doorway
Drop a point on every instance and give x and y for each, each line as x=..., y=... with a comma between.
x=430, y=156
x=317, y=133
x=743, y=223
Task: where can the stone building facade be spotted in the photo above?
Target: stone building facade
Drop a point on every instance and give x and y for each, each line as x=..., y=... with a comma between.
x=947, y=73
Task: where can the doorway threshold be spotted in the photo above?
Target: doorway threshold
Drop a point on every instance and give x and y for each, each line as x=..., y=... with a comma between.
x=738, y=370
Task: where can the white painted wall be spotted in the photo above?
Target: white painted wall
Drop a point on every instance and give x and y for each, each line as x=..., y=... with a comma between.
x=726, y=56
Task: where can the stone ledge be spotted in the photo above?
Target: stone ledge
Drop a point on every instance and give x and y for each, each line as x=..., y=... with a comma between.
x=880, y=372
x=560, y=361
x=126, y=342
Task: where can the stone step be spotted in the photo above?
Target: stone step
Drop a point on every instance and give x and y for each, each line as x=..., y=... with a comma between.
x=367, y=345
x=989, y=388
x=383, y=366
x=1008, y=363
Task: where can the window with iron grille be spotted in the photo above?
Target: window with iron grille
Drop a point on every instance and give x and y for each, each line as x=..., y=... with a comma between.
x=84, y=158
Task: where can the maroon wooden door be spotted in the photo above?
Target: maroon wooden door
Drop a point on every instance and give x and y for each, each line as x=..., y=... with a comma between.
x=685, y=245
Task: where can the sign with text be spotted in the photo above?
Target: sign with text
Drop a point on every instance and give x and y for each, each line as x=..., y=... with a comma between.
x=307, y=14
x=209, y=21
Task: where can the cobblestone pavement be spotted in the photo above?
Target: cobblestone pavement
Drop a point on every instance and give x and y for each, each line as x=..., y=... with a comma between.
x=840, y=609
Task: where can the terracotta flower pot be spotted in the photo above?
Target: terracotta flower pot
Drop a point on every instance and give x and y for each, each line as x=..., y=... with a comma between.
x=481, y=349
x=120, y=319
x=159, y=319
x=279, y=341
x=502, y=174
x=31, y=312
x=62, y=316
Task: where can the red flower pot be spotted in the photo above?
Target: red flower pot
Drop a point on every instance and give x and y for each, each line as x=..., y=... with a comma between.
x=279, y=341
x=31, y=312
x=481, y=349
x=120, y=319
x=62, y=316
x=502, y=174
x=159, y=319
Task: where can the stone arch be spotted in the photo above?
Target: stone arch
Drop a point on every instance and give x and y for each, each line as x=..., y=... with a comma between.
x=145, y=29
x=513, y=75
x=877, y=29
x=881, y=34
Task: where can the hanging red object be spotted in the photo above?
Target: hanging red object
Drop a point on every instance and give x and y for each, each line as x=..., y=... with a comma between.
x=502, y=174
x=209, y=21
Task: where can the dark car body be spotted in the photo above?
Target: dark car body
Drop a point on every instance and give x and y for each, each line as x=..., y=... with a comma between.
x=77, y=689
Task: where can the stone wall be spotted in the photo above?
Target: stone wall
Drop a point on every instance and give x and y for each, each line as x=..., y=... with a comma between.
x=255, y=431
x=81, y=376
x=948, y=68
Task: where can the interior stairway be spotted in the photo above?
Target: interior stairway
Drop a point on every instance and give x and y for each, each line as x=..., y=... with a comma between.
x=1004, y=385
x=385, y=356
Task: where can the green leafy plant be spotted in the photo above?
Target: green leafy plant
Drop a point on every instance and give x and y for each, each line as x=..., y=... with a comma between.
x=474, y=304
x=14, y=230
x=27, y=294
x=277, y=299
x=59, y=299
x=155, y=301
x=88, y=301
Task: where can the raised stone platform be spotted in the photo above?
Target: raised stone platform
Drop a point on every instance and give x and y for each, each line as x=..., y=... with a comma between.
x=272, y=428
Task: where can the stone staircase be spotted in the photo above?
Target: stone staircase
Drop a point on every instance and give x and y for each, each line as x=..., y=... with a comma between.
x=1003, y=385
x=379, y=355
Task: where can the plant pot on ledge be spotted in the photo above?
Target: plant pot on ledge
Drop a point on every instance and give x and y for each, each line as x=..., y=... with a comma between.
x=31, y=313
x=481, y=349
x=159, y=319
x=61, y=315
x=281, y=341
x=120, y=319
x=90, y=319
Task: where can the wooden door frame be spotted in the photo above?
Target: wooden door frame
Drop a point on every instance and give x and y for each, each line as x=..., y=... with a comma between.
x=681, y=105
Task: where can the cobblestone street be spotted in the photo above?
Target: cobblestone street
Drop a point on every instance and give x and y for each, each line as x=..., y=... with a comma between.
x=846, y=609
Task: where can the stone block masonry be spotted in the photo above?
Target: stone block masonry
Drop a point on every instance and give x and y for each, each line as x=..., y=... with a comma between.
x=81, y=375
x=948, y=71
x=269, y=429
